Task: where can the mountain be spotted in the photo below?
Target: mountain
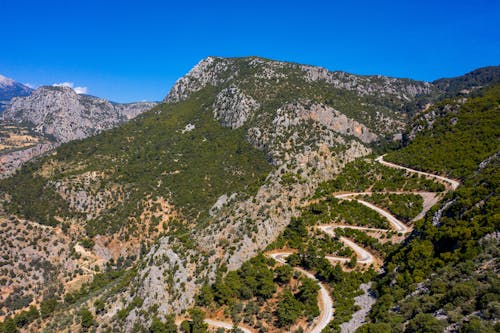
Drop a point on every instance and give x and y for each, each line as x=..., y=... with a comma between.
x=476, y=79
x=50, y=115
x=10, y=89
x=171, y=209
x=63, y=115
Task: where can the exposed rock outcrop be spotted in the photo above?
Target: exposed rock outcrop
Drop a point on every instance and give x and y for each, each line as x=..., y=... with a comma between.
x=232, y=107
x=63, y=115
x=11, y=161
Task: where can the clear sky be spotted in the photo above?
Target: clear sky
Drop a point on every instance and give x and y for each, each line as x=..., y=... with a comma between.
x=135, y=50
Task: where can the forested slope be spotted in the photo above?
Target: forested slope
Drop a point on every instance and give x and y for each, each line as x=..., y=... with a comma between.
x=446, y=276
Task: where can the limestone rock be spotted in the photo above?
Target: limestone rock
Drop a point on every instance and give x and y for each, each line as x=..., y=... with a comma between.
x=61, y=114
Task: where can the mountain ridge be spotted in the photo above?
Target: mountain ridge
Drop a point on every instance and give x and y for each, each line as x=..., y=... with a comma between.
x=63, y=114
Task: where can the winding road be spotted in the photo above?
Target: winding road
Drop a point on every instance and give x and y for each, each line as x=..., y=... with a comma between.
x=364, y=256
x=451, y=182
x=226, y=325
x=395, y=223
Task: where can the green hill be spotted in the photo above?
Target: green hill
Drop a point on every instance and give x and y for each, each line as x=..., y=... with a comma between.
x=447, y=273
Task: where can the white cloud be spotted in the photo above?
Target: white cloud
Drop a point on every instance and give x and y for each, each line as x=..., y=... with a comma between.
x=78, y=90
x=29, y=85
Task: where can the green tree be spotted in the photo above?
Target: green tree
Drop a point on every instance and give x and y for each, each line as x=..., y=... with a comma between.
x=283, y=274
x=87, y=319
x=425, y=323
x=288, y=309
x=206, y=295
x=9, y=326
x=197, y=324
x=99, y=305
x=170, y=325
x=185, y=326
x=375, y=328
x=47, y=307
x=157, y=326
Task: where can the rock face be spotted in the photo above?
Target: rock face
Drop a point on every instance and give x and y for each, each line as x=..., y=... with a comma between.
x=365, y=303
x=10, y=89
x=13, y=160
x=326, y=116
x=207, y=71
x=63, y=115
x=232, y=107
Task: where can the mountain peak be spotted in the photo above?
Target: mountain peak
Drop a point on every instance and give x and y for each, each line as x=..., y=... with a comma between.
x=10, y=88
x=258, y=72
x=5, y=81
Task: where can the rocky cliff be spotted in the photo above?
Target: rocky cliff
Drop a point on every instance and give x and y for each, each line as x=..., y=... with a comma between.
x=63, y=115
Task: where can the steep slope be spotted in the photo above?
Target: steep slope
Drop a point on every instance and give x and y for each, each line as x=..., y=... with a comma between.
x=446, y=277
x=462, y=132
x=10, y=89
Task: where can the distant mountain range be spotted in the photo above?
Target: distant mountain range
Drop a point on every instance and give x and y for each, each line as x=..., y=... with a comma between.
x=477, y=78
x=10, y=89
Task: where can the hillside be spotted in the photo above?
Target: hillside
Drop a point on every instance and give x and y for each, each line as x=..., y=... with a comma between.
x=172, y=208
x=447, y=274
x=50, y=115
x=207, y=167
x=63, y=115
x=475, y=79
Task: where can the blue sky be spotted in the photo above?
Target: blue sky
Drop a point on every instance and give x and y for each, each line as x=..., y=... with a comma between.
x=135, y=50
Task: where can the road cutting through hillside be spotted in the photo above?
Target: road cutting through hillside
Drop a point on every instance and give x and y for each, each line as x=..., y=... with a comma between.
x=451, y=182
x=364, y=256
x=226, y=325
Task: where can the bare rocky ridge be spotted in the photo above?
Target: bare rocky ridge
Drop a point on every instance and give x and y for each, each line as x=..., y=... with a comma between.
x=232, y=107
x=217, y=71
x=60, y=113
